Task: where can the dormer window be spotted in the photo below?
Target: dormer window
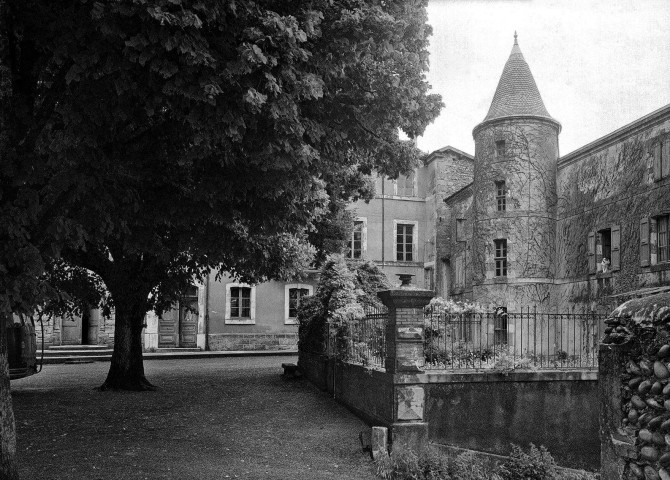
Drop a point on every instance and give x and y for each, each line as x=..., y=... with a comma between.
x=501, y=196
x=500, y=149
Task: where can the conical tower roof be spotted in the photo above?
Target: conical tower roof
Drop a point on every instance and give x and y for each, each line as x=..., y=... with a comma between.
x=517, y=93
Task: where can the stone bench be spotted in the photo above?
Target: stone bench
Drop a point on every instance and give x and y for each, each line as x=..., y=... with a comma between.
x=290, y=369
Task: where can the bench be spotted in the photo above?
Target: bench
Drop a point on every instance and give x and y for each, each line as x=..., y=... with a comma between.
x=290, y=369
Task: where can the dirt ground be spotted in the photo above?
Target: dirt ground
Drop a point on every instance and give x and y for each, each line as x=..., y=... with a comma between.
x=210, y=419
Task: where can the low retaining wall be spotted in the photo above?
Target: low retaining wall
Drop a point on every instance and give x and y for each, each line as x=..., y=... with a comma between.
x=368, y=393
x=487, y=412
x=252, y=341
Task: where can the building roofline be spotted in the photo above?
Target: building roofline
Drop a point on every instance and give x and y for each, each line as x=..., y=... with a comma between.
x=432, y=155
x=603, y=142
x=457, y=192
x=491, y=121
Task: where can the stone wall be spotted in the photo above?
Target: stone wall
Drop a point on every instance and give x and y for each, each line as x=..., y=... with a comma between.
x=601, y=186
x=452, y=172
x=634, y=390
x=528, y=167
x=487, y=412
x=252, y=341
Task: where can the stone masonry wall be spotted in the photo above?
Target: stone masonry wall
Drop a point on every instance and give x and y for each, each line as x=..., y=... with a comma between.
x=612, y=186
x=528, y=168
x=634, y=390
x=251, y=341
x=452, y=173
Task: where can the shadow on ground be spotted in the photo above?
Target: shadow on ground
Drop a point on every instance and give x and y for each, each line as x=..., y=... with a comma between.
x=211, y=419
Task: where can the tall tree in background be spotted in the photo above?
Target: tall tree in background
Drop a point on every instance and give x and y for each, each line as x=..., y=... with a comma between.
x=179, y=137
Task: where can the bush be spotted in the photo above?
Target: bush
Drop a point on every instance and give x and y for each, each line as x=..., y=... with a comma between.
x=537, y=464
x=343, y=290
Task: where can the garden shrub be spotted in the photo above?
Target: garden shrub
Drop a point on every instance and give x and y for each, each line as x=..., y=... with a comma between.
x=343, y=290
x=537, y=464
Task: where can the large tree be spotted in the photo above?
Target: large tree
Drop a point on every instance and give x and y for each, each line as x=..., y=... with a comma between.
x=177, y=137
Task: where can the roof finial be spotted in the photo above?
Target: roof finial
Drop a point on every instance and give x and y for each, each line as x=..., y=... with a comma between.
x=515, y=42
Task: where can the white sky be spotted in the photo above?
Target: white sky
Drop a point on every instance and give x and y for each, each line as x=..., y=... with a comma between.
x=599, y=64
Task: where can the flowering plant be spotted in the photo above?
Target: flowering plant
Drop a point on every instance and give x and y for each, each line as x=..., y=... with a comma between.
x=440, y=305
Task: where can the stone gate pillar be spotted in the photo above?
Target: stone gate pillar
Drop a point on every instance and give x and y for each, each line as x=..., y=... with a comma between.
x=404, y=357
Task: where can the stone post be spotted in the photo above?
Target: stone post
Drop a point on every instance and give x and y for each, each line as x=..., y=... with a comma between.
x=404, y=356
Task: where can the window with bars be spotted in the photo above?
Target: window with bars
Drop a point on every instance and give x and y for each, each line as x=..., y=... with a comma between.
x=501, y=257
x=295, y=296
x=501, y=196
x=240, y=302
x=356, y=242
x=404, y=242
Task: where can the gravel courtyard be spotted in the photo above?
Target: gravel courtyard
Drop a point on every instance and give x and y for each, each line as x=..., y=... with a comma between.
x=210, y=419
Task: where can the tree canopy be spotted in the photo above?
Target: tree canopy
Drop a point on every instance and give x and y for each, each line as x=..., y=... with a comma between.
x=157, y=140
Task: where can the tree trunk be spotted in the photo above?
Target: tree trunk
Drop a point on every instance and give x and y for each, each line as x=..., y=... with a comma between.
x=127, y=369
x=8, y=466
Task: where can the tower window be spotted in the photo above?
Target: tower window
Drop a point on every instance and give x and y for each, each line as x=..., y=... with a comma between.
x=500, y=148
x=501, y=196
x=501, y=257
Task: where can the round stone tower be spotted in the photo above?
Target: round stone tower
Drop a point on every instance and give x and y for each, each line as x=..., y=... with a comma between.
x=514, y=189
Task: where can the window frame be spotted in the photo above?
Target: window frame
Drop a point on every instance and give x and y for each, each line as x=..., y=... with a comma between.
x=414, y=243
x=399, y=191
x=660, y=152
x=228, y=318
x=460, y=230
x=500, y=148
x=500, y=257
x=501, y=327
x=288, y=320
x=364, y=238
x=501, y=195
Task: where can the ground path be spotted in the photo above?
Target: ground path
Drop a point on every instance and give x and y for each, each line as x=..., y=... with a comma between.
x=211, y=419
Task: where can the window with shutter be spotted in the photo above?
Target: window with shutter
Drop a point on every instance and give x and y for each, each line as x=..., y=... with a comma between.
x=644, y=242
x=661, y=154
x=591, y=245
x=615, y=247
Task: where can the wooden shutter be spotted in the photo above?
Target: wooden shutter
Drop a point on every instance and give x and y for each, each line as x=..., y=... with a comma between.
x=616, y=242
x=665, y=158
x=591, y=245
x=657, y=161
x=644, y=242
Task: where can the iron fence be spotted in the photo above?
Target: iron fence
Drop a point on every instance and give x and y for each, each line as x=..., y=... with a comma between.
x=362, y=342
x=508, y=341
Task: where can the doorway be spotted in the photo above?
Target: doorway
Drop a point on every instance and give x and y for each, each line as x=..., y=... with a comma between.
x=178, y=327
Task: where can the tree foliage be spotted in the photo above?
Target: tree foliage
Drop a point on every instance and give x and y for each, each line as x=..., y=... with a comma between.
x=153, y=141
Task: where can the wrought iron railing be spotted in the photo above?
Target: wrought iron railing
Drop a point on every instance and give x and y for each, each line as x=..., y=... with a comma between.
x=510, y=341
x=362, y=342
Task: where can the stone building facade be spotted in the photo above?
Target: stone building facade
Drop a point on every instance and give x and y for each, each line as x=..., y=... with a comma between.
x=532, y=228
x=516, y=225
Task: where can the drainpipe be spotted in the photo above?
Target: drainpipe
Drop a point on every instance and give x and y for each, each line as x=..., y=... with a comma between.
x=383, y=224
x=207, y=313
